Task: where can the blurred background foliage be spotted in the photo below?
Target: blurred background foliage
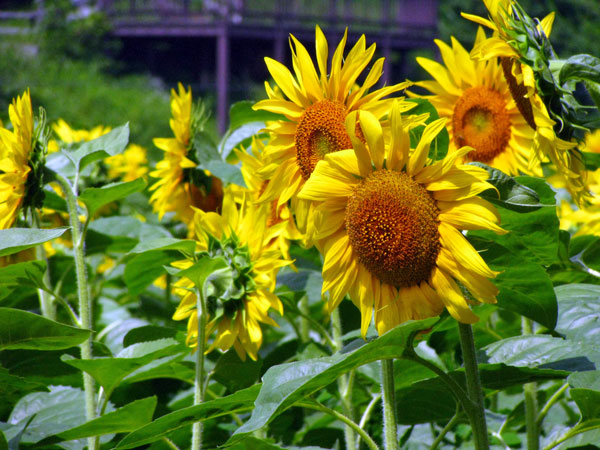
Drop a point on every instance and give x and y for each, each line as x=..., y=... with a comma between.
x=71, y=57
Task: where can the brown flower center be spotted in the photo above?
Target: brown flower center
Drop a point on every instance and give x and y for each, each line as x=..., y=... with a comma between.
x=321, y=130
x=480, y=120
x=393, y=228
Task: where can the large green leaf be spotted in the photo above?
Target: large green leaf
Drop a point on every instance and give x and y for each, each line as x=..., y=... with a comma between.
x=588, y=402
x=240, y=401
x=525, y=287
x=107, y=145
x=235, y=374
x=109, y=372
x=285, y=384
x=227, y=172
x=588, y=380
x=29, y=272
x=127, y=418
x=532, y=235
x=579, y=317
x=14, y=240
x=54, y=412
x=537, y=351
x=510, y=194
x=185, y=246
x=213, y=275
x=24, y=330
x=145, y=268
x=95, y=198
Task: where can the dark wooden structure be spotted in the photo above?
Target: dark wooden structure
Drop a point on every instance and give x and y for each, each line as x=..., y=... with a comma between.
x=393, y=24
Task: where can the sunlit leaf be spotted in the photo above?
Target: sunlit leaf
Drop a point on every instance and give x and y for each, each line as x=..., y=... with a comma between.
x=24, y=330
x=109, y=144
x=127, y=418
x=240, y=401
x=96, y=198
x=13, y=240
x=186, y=246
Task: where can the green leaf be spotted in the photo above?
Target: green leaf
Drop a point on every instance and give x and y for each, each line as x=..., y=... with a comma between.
x=588, y=380
x=242, y=113
x=29, y=272
x=95, y=198
x=145, y=268
x=594, y=91
x=13, y=387
x=439, y=146
x=525, y=287
x=579, y=316
x=3, y=442
x=109, y=372
x=54, y=201
x=285, y=384
x=24, y=330
x=592, y=160
x=532, y=235
x=235, y=374
x=583, y=434
x=148, y=333
x=213, y=274
x=536, y=351
x=588, y=402
x=185, y=246
x=510, y=194
x=241, y=401
x=127, y=418
x=226, y=172
x=110, y=144
x=54, y=412
x=580, y=67
x=204, y=148
x=14, y=240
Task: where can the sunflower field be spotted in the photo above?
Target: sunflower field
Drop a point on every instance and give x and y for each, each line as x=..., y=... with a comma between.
x=350, y=266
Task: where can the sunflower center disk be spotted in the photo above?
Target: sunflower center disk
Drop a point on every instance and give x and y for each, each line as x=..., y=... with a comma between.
x=321, y=130
x=393, y=228
x=480, y=120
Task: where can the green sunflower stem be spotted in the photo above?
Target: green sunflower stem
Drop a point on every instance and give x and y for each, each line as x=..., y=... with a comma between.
x=47, y=303
x=474, y=390
x=344, y=382
x=85, y=315
x=531, y=406
x=199, y=384
x=390, y=428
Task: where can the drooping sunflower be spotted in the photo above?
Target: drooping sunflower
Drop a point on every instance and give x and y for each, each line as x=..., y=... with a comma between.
x=129, y=165
x=16, y=151
x=315, y=107
x=257, y=177
x=175, y=191
x=523, y=73
x=475, y=98
x=388, y=225
x=240, y=233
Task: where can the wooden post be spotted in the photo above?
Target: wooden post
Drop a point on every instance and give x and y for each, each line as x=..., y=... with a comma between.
x=222, y=77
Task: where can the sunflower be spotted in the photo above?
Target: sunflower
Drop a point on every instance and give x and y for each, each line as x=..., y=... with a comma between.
x=257, y=177
x=174, y=191
x=129, y=165
x=476, y=100
x=240, y=232
x=68, y=135
x=388, y=226
x=521, y=79
x=16, y=148
x=315, y=107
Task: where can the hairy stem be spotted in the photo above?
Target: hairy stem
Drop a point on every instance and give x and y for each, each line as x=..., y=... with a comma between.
x=474, y=390
x=85, y=315
x=531, y=406
x=199, y=385
x=390, y=429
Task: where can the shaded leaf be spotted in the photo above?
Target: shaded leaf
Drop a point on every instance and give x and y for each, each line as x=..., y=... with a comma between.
x=29, y=272
x=13, y=387
x=14, y=240
x=213, y=274
x=238, y=402
x=95, y=198
x=580, y=67
x=235, y=374
x=228, y=173
x=145, y=268
x=127, y=418
x=525, y=287
x=24, y=330
x=588, y=402
x=185, y=246
x=439, y=146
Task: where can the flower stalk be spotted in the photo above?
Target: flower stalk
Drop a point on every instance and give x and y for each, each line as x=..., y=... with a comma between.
x=474, y=390
x=390, y=428
x=531, y=406
x=85, y=315
x=199, y=382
